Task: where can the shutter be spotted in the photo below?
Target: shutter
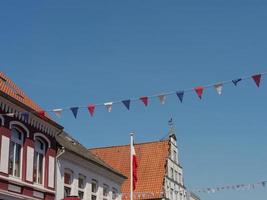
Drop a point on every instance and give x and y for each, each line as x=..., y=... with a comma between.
x=4, y=154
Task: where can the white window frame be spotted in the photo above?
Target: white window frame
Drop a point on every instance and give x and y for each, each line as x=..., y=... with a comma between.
x=105, y=197
x=92, y=192
x=115, y=192
x=40, y=151
x=68, y=171
x=17, y=142
x=82, y=189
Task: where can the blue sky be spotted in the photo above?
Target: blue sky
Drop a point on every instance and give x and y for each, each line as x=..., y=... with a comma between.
x=69, y=53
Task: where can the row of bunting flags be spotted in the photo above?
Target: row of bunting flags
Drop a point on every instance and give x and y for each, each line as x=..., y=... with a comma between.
x=142, y=195
x=145, y=99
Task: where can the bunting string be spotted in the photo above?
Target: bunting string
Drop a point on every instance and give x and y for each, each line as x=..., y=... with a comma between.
x=208, y=190
x=199, y=90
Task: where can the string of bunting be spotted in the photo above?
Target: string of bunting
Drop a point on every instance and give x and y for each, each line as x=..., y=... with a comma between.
x=199, y=90
x=231, y=187
x=249, y=186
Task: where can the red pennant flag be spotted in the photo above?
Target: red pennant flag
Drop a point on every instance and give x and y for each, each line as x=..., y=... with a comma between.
x=41, y=113
x=257, y=79
x=145, y=100
x=91, y=109
x=199, y=91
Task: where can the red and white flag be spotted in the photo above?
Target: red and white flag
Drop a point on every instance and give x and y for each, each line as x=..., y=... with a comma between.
x=134, y=167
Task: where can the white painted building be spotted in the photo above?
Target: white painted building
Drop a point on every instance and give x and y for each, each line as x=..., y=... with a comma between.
x=174, y=181
x=80, y=173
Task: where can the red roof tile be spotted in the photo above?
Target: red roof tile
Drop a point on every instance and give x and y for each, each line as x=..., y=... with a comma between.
x=8, y=87
x=151, y=160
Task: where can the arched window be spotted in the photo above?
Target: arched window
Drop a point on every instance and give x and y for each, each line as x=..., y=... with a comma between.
x=38, y=160
x=15, y=152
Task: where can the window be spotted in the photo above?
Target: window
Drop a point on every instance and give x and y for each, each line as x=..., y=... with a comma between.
x=174, y=158
x=94, y=189
x=175, y=175
x=38, y=161
x=180, y=178
x=171, y=193
x=105, y=191
x=67, y=182
x=172, y=176
x=114, y=193
x=81, y=186
x=14, y=163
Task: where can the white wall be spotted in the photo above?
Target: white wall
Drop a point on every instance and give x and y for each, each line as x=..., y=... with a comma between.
x=79, y=168
x=171, y=183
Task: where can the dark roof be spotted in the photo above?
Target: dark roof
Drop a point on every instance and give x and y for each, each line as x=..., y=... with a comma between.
x=72, y=145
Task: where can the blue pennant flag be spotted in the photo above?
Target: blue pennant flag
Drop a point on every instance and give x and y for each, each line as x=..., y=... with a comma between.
x=180, y=95
x=127, y=103
x=74, y=111
x=236, y=81
x=25, y=115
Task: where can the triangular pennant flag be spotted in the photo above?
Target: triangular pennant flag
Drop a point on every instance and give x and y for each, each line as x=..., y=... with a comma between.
x=257, y=79
x=127, y=103
x=25, y=116
x=162, y=98
x=236, y=81
x=91, y=109
x=74, y=110
x=180, y=95
x=218, y=88
x=144, y=100
x=10, y=114
x=58, y=112
x=199, y=91
x=263, y=183
x=108, y=106
x=41, y=113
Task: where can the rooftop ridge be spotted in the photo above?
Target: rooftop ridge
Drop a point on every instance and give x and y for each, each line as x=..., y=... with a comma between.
x=124, y=145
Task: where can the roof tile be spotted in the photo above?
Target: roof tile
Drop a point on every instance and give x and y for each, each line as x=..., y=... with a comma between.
x=151, y=160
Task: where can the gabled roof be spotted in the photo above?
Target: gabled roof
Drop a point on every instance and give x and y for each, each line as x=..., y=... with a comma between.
x=151, y=161
x=9, y=90
x=72, y=145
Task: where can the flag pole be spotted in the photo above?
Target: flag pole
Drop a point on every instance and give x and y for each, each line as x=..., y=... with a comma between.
x=131, y=167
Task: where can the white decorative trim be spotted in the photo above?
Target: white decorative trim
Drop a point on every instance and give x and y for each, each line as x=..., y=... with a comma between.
x=16, y=196
x=14, y=188
x=20, y=125
x=41, y=135
x=34, y=121
x=38, y=194
x=22, y=183
x=2, y=120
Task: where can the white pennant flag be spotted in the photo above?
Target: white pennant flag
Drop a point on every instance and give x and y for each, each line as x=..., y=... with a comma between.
x=108, y=106
x=218, y=88
x=162, y=98
x=58, y=112
x=10, y=114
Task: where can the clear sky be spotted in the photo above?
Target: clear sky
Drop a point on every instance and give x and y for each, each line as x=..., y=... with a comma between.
x=69, y=53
